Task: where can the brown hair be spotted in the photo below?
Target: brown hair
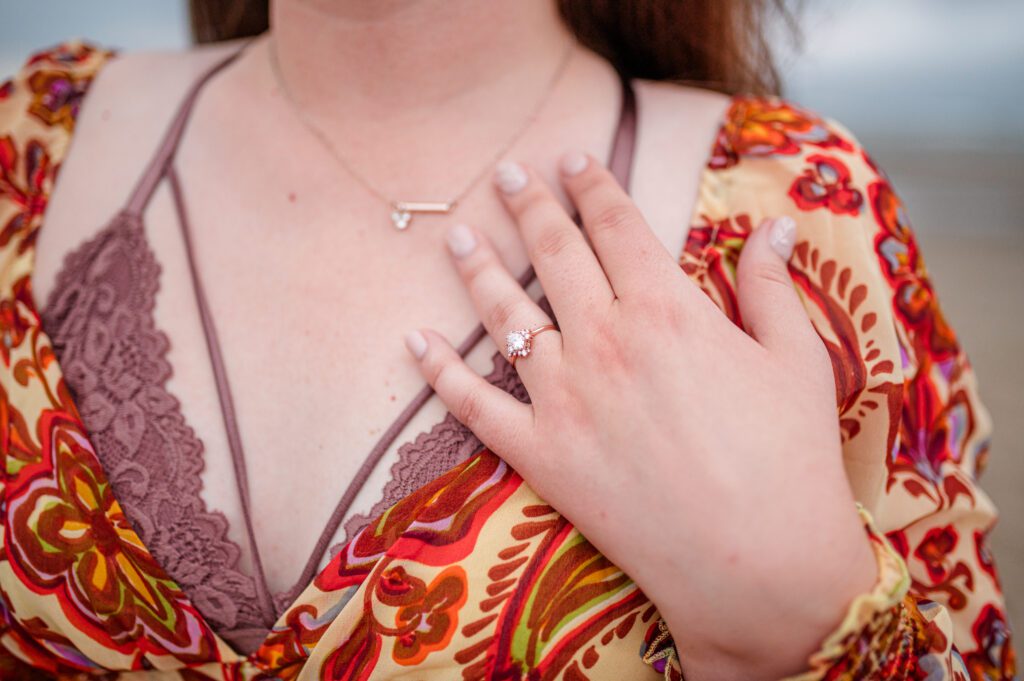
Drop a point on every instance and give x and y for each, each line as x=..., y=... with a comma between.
x=718, y=44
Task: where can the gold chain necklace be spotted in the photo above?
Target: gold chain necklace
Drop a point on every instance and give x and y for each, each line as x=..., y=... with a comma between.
x=402, y=211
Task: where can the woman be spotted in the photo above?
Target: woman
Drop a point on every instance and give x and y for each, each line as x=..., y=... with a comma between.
x=273, y=214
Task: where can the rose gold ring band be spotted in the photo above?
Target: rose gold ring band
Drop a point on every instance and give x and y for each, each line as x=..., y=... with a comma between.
x=518, y=343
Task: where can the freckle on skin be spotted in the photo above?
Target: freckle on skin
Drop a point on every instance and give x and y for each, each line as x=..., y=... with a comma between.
x=393, y=398
x=291, y=197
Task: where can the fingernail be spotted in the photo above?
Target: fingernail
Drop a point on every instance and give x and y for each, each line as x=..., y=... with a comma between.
x=782, y=236
x=416, y=344
x=510, y=177
x=461, y=241
x=573, y=163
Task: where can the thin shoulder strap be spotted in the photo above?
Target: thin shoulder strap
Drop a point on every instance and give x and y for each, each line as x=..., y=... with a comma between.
x=620, y=158
x=158, y=164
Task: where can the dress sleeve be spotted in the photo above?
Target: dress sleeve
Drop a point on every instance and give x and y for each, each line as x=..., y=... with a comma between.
x=915, y=434
x=38, y=109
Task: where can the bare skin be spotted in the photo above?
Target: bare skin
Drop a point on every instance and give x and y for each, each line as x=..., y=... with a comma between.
x=419, y=94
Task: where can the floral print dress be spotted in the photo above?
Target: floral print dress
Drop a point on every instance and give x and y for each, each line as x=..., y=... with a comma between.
x=473, y=576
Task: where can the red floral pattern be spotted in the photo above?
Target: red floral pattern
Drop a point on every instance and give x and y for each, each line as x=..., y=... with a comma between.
x=24, y=183
x=913, y=298
x=69, y=536
x=904, y=387
x=428, y=614
x=473, y=575
x=993, y=655
x=934, y=550
x=756, y=128
x=57, y=86
x=826, y=184
x=16, y=319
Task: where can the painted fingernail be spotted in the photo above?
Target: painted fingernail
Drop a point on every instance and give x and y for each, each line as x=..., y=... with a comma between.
x=510, y=177
x=782, y=236
x=461, y=241
x=416, y=344
x=573, y=163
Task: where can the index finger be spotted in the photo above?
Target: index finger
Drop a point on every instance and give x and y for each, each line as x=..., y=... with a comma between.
x=629, y=251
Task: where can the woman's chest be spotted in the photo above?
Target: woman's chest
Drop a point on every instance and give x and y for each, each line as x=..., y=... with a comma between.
x=310, y=290
x=283, y=355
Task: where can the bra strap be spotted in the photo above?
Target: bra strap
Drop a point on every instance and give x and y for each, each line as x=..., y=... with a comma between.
x=620, y=159
x=158, y=164
x=620, y=162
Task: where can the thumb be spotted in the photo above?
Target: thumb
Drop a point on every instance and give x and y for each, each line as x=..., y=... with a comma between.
x=769, y=304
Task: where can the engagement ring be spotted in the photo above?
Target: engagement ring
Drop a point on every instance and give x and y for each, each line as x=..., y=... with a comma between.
x=519, y=343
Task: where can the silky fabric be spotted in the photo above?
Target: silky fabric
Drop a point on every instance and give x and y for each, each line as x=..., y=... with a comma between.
x=99, y=317
x=472, y=575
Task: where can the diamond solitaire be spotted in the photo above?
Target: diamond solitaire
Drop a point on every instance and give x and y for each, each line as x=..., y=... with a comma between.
x=518, y=343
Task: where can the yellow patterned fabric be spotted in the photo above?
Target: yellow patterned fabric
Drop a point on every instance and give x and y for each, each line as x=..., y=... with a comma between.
x=473, y=576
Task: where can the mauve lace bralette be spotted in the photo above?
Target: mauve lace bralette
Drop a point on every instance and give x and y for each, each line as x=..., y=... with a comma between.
x=99, y=318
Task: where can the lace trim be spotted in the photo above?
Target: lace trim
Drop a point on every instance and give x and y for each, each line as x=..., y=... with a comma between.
x=99, y=319
x=433, y=453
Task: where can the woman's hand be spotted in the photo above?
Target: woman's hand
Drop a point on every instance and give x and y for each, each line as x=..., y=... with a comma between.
x=703, y=461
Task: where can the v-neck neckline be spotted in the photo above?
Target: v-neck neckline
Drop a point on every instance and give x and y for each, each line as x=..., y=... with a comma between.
x=620, y=160
x=150, y=180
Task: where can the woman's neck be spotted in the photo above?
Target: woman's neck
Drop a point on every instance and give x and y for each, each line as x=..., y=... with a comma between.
x=393, y=60
x=421, y=94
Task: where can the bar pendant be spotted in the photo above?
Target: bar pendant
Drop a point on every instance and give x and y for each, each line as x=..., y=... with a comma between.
x=402, y=211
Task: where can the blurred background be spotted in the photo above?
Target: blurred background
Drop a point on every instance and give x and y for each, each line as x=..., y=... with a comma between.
x=932, y=88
